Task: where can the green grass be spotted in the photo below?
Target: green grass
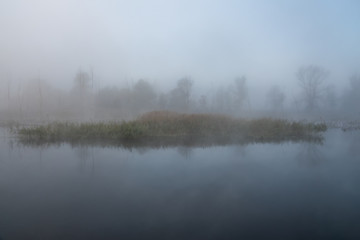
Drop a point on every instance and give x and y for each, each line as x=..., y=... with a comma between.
x=170, y=125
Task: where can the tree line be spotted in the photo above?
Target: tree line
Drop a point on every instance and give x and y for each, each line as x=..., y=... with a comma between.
x=39, y=100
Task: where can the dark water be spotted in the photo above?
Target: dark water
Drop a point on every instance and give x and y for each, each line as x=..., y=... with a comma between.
x=258, y=191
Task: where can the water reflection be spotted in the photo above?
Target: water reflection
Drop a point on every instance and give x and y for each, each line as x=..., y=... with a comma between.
x=310, y=155
x=236, y=191
x=162, y=142
x=142, y=150
x=85, y=155
x=185, y=151
x=240, y=150
x=354, y=147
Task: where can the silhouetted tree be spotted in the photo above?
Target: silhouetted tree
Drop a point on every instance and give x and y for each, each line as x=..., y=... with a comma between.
x=311, y=80
x=203, y=103
x=180, y=96
x=82, y=98
x=184, y=85
x=82, y=81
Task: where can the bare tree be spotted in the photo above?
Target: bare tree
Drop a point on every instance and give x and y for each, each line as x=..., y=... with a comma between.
x=82, y=96
x=82, y=81
x=311, y=80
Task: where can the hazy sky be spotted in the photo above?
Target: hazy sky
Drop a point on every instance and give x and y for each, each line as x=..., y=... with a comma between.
x=163, y=40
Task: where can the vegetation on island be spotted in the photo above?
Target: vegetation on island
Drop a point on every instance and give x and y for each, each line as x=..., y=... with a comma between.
x=169, y=126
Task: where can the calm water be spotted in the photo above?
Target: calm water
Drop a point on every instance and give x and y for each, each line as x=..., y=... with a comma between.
x=257, y=191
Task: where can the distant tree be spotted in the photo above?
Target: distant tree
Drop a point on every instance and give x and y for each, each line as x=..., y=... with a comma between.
x=184, y=86
x=311, y=80
x=108, y=98
x=82, y=81
x=144, y=90
x=163, y=101
x=275, y=98
x=351, y=97
x=144, y=96
x=222, y=100
x=115, y=102
x=8, y=93
x=180, y=96
x=82, y=98
x=240, y=92
x=20, y=98
x=203, y=103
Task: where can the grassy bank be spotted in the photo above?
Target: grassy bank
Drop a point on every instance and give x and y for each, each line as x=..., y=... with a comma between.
x=169, y=126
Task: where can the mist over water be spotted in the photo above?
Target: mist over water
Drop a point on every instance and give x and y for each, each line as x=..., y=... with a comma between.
x=109, y=62
x=83, y=60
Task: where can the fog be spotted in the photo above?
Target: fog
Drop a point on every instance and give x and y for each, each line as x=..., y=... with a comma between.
x=111, y=60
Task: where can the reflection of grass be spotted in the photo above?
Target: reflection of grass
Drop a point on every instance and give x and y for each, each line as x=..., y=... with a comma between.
x=172, y=126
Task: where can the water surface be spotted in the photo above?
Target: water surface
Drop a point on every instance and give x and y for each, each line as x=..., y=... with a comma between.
x=256, y=191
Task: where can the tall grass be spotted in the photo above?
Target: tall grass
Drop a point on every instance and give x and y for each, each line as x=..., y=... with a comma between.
x=166, y=125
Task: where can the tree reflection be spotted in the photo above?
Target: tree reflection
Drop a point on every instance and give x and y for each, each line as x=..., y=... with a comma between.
x=142, y=150
x=240, y=150
x=185, y=152
x=85, y=154
x=310, y=155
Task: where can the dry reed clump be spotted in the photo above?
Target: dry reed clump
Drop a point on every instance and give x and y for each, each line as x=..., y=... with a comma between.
x=176, y=124
x=171, y=124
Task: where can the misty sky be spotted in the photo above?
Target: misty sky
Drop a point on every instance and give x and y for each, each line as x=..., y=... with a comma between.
x=163, y=40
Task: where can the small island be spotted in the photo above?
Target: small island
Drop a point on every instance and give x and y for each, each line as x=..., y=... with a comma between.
x=164, y=128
